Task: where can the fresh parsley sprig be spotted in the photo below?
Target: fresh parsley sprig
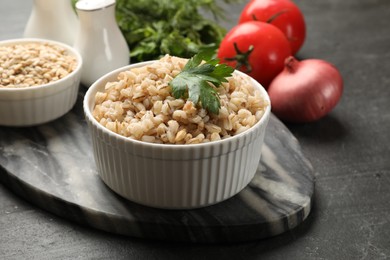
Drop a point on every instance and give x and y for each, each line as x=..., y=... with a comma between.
x=193, y=82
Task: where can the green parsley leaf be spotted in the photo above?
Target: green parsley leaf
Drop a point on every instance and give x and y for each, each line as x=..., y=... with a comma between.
x=198, y=82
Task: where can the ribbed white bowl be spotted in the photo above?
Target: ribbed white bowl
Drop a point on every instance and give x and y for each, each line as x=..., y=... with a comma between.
x=174, y=176
x=39, y=104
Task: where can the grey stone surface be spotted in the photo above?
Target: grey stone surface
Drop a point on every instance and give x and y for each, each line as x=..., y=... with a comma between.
x=349, y=150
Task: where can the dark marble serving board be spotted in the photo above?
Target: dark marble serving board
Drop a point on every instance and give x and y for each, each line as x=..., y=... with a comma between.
x=52, y=166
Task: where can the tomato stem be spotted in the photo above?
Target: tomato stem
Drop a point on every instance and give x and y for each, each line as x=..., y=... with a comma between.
x=242, y=58
x=273, y=17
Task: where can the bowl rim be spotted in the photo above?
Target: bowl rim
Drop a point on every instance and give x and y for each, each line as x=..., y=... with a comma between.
x=89, y=102
x=72, y=50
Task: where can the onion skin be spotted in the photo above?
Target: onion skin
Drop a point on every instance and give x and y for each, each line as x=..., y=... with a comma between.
x=305, y=91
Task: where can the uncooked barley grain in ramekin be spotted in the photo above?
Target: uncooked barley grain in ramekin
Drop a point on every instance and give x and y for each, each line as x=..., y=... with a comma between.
x=33, y=64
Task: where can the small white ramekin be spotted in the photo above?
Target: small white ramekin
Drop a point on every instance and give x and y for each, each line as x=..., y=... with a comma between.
x=39, y=104
x=174, y=176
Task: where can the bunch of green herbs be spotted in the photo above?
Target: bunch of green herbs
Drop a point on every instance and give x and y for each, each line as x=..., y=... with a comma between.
x=153, y=28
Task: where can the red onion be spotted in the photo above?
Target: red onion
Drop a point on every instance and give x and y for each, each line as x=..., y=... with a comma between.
x=305, y=90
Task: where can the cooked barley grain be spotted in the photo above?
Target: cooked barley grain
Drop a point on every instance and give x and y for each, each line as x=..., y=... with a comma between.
x=140, y=106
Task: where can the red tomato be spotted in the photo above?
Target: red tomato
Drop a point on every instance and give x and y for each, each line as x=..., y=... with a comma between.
x=265, y=60
x=283, y=14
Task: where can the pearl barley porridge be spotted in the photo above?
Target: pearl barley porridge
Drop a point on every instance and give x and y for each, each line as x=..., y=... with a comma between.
x=140, y=105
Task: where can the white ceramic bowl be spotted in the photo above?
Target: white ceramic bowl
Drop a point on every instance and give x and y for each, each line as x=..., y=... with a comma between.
x=174, y=176
x=39, y=104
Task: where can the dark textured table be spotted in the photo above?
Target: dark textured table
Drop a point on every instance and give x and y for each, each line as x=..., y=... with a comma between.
x=349, y=149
